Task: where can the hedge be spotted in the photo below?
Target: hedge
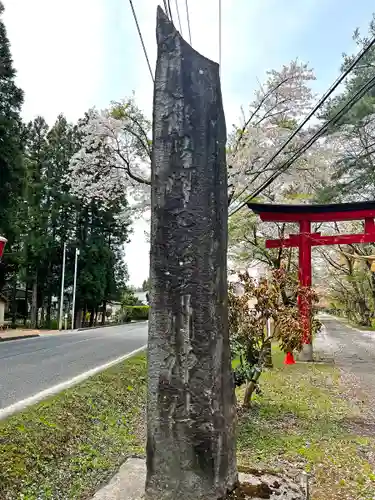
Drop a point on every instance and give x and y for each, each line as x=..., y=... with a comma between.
x=136, y=313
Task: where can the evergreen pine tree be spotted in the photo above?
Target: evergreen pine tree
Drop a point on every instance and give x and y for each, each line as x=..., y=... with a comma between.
x=11, y=163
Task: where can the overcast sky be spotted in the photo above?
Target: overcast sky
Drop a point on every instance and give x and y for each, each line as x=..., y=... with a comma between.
x=74, y=54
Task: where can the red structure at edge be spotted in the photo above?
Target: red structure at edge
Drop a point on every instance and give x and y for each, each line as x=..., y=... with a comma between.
x=3, y=242
x=304, y=215
x=289, y=359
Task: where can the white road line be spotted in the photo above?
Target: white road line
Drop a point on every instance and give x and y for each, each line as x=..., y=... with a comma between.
x=36, y=398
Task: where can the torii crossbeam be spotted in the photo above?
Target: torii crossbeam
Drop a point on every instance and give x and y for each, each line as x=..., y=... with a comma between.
x=304, y=215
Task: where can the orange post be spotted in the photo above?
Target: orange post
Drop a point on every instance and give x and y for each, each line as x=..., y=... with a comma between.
x=289, y=359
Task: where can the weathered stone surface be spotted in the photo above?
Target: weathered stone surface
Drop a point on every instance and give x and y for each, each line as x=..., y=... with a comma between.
x=128, y=484
x=271, y=486
x=307, y=353
x=191, y=402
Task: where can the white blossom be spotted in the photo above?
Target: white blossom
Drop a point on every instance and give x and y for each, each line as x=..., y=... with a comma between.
x=114, y=158
x=279, y=104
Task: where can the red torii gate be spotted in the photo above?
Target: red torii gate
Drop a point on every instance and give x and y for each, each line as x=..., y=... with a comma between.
x=304, y=215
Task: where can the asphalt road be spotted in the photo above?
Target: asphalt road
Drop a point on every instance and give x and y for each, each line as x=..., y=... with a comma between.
x=32, y=365
x=352, y=349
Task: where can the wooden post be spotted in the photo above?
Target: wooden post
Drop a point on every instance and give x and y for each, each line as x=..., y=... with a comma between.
x=267, y=345
x=191, y=401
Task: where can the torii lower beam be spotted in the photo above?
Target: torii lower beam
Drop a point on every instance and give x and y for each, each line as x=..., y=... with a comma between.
x=304, y=215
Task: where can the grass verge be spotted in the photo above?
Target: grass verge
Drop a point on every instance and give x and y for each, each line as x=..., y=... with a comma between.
x=302, y=421
x=349, y=323
x=68, y=445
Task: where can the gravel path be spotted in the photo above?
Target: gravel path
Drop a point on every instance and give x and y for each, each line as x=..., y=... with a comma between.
x=353, y=351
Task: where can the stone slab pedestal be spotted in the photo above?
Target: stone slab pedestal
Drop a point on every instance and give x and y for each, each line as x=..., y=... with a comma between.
x=129, y=484
x=307, y=353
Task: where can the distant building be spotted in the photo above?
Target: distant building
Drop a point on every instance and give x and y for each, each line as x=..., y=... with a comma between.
x=142, y=297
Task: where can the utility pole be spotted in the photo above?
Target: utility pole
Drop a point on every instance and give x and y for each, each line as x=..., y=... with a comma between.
x=74, y=286
x=62, y=289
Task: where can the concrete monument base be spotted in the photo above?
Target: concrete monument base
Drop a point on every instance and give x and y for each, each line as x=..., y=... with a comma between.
x=129, y=484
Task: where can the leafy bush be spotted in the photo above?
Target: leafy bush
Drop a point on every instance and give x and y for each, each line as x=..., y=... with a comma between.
x=130, y=299
x=135, y=313
x=52, y=325
x=274, y=299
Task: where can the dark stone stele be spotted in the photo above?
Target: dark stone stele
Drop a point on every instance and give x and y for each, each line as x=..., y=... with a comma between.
x=191, y=401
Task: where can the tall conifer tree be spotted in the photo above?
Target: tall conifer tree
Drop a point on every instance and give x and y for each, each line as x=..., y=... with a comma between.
x=11, y=162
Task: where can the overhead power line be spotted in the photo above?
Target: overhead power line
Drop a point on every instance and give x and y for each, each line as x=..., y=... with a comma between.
x=178, y=16
x=357, y=96
x=326, y=95
x=166, y=7
x=168, y=10
x=188, y=18
x=141, y=38
x=354, y=99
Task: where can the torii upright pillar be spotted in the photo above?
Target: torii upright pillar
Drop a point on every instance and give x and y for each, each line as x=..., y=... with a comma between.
x=305, y=280
x=304, y=215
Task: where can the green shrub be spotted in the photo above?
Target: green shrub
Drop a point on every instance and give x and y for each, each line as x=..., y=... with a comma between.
x=130, y=299
x=53, y=325
x=136, y=313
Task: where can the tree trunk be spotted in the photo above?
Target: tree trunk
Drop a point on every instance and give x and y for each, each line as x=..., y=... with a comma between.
x=364, y=312
x=49, y=295
x=84, y=316
x=104, y=311
x=48, y=310
x=42, y=313
x=78, y=318
x=191, y=400
x=26, y=305
x=34, y=304
x=250, y=388
x=91, y=317
x=14, y=302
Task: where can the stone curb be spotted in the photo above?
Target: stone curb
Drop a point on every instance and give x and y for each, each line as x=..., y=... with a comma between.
x=19, y=337
x=107, y=326
x=129, y=484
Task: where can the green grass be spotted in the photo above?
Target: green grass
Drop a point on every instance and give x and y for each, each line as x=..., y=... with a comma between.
x=67, y=446
x=301, y=418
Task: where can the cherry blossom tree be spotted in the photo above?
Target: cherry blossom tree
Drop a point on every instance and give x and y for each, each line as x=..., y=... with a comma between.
x=279, y=105
x=116, y=147
x=114, y=157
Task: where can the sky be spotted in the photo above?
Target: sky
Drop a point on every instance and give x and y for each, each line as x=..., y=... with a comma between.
x=74, y=54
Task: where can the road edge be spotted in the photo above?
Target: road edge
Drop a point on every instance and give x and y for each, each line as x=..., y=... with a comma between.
x=40, y=396
x=105, y=326
x=19, y=337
